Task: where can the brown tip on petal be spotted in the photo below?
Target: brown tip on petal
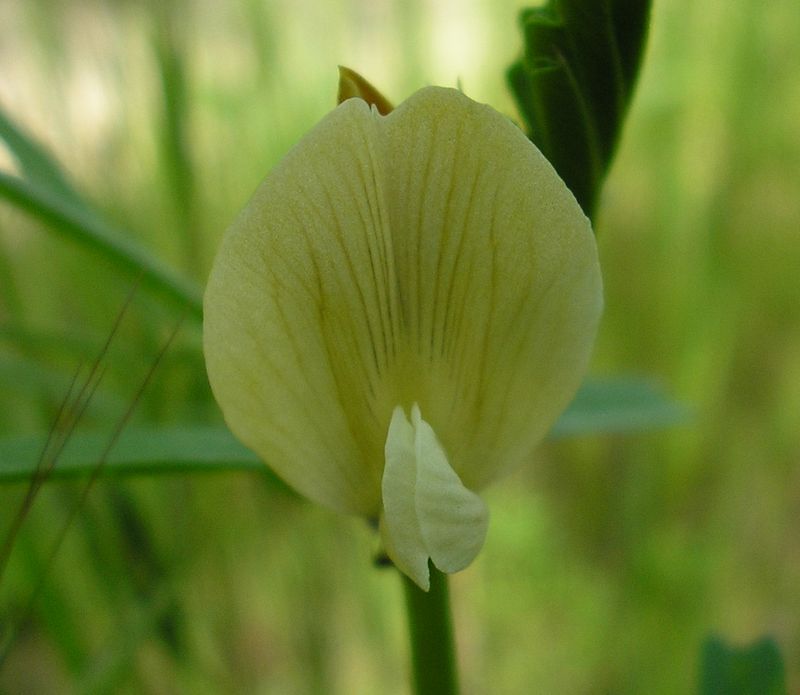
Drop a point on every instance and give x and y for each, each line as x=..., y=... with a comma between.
x=351, y=84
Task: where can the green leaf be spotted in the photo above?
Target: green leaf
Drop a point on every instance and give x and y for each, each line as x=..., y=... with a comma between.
x=574, y=82
x=85, y=227
x=46, y=194
x=138, y=451
x=600, y=407
x=620, y=405
x=33, y=159
x=755, y=669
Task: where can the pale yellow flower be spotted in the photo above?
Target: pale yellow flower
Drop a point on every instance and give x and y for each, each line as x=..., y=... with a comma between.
x=399, y=315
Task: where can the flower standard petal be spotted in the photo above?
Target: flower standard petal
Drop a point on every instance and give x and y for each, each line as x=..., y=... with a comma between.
x=297, y=313
x=499, y=278
x=431, y=257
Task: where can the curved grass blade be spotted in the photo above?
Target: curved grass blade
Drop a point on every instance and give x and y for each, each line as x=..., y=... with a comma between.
x=86, y=228
x=47, y=194
x=33, y=159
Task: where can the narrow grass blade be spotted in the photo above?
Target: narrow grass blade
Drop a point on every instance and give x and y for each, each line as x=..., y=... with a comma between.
x=46, y=194
x=70, y=412
x=175, y=129
x=47, y=463
x=33, y=159
x=139, y=451
x=86, y=228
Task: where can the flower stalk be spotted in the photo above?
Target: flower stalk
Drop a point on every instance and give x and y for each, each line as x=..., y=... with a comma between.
x=431, y=633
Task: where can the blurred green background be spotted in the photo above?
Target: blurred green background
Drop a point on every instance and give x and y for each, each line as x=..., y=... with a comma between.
x=607, y=563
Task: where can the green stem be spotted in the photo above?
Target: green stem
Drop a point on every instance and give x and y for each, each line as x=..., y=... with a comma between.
x=431, y=633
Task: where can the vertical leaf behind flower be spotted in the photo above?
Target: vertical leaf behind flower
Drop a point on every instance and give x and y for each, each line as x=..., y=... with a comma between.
x=574, y=83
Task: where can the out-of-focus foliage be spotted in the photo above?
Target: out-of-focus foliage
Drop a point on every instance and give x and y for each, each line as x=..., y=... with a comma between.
x=756, y=669
x=608, y=407
x=610, y=559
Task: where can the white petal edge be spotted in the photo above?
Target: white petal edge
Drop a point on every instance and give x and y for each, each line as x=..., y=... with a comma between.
x=428, y=512
x=453, y=519
x=400, y=529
